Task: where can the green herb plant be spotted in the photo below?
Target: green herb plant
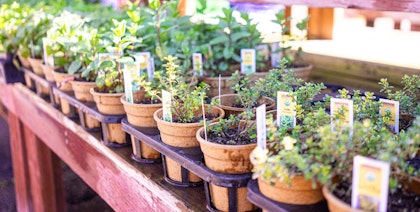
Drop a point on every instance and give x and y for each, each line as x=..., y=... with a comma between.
x=110, y=76
x=294, y=58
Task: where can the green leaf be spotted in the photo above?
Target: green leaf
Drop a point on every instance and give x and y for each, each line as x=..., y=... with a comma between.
x=154, y=4
x=218, y=40
x=74, y=67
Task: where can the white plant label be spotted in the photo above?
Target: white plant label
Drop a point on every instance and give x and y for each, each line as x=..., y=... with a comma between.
x=344, y=106
x=204, y=117
x=150, y=68
x=134, y=73
x=143, y=59
x=128, y=84
x=219, y=88
x=197, y=60
x=262, y=51
x=261, y=127
x=104, y=57
x=167, y=105
x=393, y=108
x=370, y=184
x=275, y=54
x=286, y=110
x=248, y=65
x=48, y=58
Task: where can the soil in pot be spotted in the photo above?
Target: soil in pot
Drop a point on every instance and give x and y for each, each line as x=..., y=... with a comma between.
x=406, y=198
x=231, y=106
x=182, y=135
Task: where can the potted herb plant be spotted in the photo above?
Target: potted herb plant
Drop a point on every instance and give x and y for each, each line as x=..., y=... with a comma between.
x=338, y=149
x=186, y=109
x=294, y=57
x=110, y=82
x=140, y=112
x=248, y=96
x=222, y=53
x=408, y=98
x=226, y=146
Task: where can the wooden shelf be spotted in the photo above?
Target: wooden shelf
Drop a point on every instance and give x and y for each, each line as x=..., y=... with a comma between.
x=42, y=136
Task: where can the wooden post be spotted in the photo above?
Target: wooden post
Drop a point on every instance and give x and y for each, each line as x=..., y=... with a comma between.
x=321, y=23
x=46, y=175
x=20, y=166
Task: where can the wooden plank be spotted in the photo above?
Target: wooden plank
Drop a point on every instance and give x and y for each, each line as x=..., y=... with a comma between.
x=354, y=73
x=386, y=5
x=45, y=175
x=321, y=23
x=20, y=166
x=122, y=186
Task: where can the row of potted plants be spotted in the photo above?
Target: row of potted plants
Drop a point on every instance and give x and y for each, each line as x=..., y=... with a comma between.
x=308, y=151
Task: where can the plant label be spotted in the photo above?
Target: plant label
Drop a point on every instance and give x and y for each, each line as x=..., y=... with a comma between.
x=143, y=59
x=128, y=84
x=275, y=54
x=286, y=110
x=167, y=105
x=48, y=58
x=393, y=109
x=261, y=127
x=134, y=70
x=262, y=51
x=198, y=63
x=370, y=184
x=341, y=112
x=104, y=57
x=248, y=61
x=151, y=68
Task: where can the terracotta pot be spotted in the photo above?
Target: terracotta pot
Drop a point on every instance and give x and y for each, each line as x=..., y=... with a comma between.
x=36, y=65
x=62, y=82
x=181, y=135
x=108, y=103
x=82, y=92
x=335, y=204
x=141, y=115
x=24, y=61
x=303, y=72
x=231, y=159
x=299, y=192
x=48, y=72
x=228, y=100
x=225, y=86
x=115, y=134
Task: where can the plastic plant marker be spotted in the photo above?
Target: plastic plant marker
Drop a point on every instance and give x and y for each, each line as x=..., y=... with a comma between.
x=393, y=108
x=261, y=127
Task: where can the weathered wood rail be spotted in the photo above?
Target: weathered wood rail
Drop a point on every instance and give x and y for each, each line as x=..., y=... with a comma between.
x=41, y=136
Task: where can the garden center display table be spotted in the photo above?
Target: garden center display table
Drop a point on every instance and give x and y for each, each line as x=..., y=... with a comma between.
x=42, y=135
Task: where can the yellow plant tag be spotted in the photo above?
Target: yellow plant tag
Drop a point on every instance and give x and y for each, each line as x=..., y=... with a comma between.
x=248, y=61
x=286, y=110
x=393, y=108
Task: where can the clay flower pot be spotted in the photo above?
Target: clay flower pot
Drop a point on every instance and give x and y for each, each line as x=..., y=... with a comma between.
x=213, y=82
x=299, y=192
x=48, y=72
x=82, y=92
x=231, y=159
x=36, y=65
x=62, y=83
x=141, y=115
x=110, y=104
x=182, y=135
x=227, y=102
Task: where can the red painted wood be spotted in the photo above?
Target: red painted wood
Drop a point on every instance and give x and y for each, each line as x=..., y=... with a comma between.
x=45, y=175
x=385, y=5
x=20, y=166
x=115, y=180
